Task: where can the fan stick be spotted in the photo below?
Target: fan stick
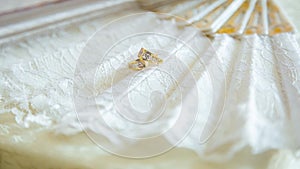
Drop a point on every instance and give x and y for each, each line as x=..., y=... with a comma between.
x=204, y=23
x=232, y=25
x=247, y=17
x=181, y=8
x=265, y=17
x=278, y=23
x=254, y=25
x=206, y=11
x=219, y=22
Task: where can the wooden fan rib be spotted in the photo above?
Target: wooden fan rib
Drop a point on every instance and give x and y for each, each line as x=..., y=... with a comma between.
x=209, y=9
x=223, y=18
x=247, y=17
x=233, y=24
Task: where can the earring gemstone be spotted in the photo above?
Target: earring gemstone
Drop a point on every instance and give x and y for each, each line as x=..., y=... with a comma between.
x=148, y=56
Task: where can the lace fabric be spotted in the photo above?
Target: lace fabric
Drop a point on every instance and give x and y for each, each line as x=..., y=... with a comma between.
x=259, y=99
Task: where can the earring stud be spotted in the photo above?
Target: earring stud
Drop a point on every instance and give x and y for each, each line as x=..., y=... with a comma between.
x=148, y=56
x=137, y=64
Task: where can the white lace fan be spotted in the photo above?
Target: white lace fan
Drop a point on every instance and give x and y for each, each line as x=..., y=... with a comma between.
x=261, y=68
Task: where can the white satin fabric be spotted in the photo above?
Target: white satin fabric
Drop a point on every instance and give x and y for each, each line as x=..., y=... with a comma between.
x=10, y=6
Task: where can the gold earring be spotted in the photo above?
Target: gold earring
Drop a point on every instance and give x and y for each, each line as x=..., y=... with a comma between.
x=144, y=58
x=137, y=64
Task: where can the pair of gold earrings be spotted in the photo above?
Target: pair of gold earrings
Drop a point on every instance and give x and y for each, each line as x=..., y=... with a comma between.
x=145, y=58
